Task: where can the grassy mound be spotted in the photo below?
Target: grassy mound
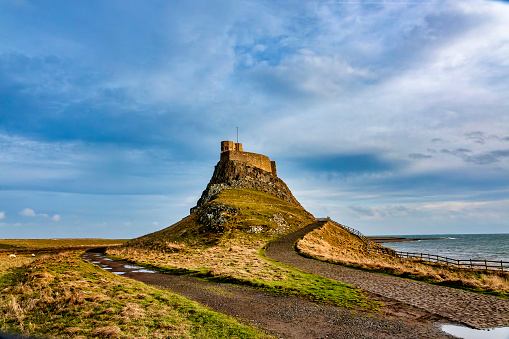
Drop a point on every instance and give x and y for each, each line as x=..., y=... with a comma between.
x=235, y=215
x=333, y=244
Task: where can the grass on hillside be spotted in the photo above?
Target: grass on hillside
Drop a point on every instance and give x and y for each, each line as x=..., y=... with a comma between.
x=259, y=216
x=234, y=254
x=56, y=243
x=62, y=296
x=334, y=244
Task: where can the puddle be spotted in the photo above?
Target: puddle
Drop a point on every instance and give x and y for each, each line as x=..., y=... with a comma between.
x=144, y=271
x=470, y=333
x=132, y=267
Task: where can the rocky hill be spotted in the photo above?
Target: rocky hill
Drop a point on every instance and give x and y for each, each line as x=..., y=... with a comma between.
x=241, y=200
x=236, y=174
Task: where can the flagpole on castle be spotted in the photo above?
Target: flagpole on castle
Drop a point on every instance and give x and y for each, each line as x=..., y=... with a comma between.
x=237, y=135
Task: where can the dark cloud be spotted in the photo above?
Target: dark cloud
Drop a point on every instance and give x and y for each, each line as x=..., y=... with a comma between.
x=458, y=151
x=419, y=156
x=500, y=153
x=477, y=136
x=478, y=159
x=362, y=210
x=482, y=159
x=348, y=163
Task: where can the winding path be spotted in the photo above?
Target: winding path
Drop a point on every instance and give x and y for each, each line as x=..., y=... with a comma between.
x=282, y=316
x=475, y=310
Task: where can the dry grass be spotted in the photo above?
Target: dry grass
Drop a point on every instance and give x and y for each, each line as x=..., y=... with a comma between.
x=56, y=243
x=334, y=244
x=62, y=296
x=7, y=263
x=239, y=262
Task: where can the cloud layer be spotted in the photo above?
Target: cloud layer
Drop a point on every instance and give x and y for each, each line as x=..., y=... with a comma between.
x=372, y=110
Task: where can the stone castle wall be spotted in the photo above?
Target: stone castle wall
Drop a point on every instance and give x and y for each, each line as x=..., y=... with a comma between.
x=233, y=151
x=256, y=160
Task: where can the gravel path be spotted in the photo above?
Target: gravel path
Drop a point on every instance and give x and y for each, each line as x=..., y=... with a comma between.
x=278, y=315
x=471, y=309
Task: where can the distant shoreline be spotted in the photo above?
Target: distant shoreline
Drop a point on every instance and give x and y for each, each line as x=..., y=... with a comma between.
x=381, y=240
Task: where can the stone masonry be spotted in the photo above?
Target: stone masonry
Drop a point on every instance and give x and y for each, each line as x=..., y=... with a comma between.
x=233, y=151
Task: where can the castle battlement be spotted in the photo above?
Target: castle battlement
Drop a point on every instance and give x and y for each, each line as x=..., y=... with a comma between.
x=233, y=151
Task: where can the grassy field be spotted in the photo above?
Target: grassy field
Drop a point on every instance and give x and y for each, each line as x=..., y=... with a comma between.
x=56, y=243
x=334, y=244
x=62, y=296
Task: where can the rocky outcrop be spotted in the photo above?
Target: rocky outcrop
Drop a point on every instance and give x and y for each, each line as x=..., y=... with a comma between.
x=215, y=215
x=236, y=174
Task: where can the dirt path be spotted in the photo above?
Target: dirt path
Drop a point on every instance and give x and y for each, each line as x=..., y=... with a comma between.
x=475, y=310
x=281, y=316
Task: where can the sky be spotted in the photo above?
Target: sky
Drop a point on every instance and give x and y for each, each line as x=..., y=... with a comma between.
x=389, y=116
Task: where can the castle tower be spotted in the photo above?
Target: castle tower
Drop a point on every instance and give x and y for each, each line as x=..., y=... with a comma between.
x=230, y=146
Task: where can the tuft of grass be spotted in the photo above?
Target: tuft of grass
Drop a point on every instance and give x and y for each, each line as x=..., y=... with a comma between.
x=7, y=263
x=333, y=244
x=62, y=296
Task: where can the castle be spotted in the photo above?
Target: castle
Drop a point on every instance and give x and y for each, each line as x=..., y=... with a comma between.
x=233, y=151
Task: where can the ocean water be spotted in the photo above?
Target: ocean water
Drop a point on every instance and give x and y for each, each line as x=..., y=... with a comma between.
x=458, y=246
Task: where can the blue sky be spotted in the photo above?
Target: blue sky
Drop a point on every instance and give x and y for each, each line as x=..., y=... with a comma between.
x=390, y=116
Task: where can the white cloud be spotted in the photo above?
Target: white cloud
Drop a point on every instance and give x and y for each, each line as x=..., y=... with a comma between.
x=27, y=212
x=2, y=215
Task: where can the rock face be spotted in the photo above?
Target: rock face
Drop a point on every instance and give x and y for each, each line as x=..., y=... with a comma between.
x=238, y=174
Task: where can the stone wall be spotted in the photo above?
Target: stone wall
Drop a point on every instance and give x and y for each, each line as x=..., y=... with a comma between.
x=256, y=160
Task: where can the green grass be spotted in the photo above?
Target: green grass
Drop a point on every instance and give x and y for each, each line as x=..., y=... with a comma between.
x=258, y=208
x=62, y=296
x=321, y=289
x=254, y=208
x=290, y=281
x=56, y=243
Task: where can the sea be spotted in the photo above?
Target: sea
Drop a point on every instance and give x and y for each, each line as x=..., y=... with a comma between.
x=458, y=246
x=493, y=247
